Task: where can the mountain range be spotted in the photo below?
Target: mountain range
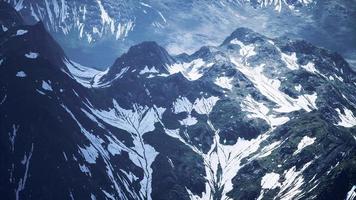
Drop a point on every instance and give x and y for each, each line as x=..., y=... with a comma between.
x=251, y=118
x=88, y=28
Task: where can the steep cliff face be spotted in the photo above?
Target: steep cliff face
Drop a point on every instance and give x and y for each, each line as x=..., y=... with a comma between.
x=253, y=118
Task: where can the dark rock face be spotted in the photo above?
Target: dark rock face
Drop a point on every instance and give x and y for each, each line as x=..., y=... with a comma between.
x=253, y=118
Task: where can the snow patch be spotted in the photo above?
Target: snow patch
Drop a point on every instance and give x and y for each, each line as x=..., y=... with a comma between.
x=246, y=51
x=293, y=181
x=22, y=183
x=259, y=110
x=21, y=32
x=146, y=70
x=31, y=55
x=4, y=28
x=224, y=82
x=310, y=67
x=298, y=88
x=270, y=89
x=89, y=153
x=306, y=141
x=351, y=195
x=270, y=181
x=347, y=118
x=21, y=74
x=291, y=61
x=137, y=122
x=47, y=85
x=192, y=70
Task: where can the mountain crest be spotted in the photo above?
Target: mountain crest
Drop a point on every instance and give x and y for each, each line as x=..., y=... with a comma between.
x=146, y=57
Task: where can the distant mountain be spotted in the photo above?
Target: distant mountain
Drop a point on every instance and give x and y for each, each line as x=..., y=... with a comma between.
x=252, y=118
x=94, y=19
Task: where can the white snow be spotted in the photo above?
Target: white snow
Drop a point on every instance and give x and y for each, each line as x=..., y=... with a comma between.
x=136, y=121
x=89, y=77
x=310, y=67
x=224, y=82
x=204, y=105
x=293, y=181
x=222, y=162
x=105, y=18
x=4, y=28
x=291, y=61
x=31, y=55
x=339, y=78
x=12, y=136
x=348, y=119
x=89, y=153
x=21, y=74
x=146, y=70
x=22, y=183
x=98, y=143
x=83, y=168
x=47, y=85
x=351, y=195
x=21, y=32
x=270, y=181
x=270, y=89
x=246, y=51
x=189, y=121
x=267, y=150
x=192, y=70
x=298, y=87
x=201, y=105
x=259, y=110
x=306, y=141
x=183, y=104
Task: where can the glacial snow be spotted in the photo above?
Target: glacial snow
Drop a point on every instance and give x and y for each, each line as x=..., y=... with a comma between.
x=270, y=181
x=22, y=183
x=306, y=141
x=347, y=118
x=146, y=70
x=21, y=74
x=31, y=55
x=222, y=162
x=192, y=70
x=351, y=195
x=270, y=89
x=89, y=77
x=259, y=110
x=47, y=85
x=246, y=51
x=291, y=61
x=138, y=121
x=224, y=82
x=21, y=32
x=310, y=67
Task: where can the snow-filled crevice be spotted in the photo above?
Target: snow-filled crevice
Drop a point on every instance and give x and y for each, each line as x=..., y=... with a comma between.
x=270, y=89
x=97, y=148
x=222, y=162
x=22, y=182
x=347, y=119
x=289, y=183
x=89, y=77
x=137, y=122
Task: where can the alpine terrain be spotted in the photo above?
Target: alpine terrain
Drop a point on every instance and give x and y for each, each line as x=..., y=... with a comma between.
x=252, y=118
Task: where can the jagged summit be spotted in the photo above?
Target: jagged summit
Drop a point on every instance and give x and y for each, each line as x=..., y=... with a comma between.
x=244, y=35
x=143, y=56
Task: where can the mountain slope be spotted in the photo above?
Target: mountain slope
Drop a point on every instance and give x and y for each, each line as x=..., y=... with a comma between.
x=253, y=118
